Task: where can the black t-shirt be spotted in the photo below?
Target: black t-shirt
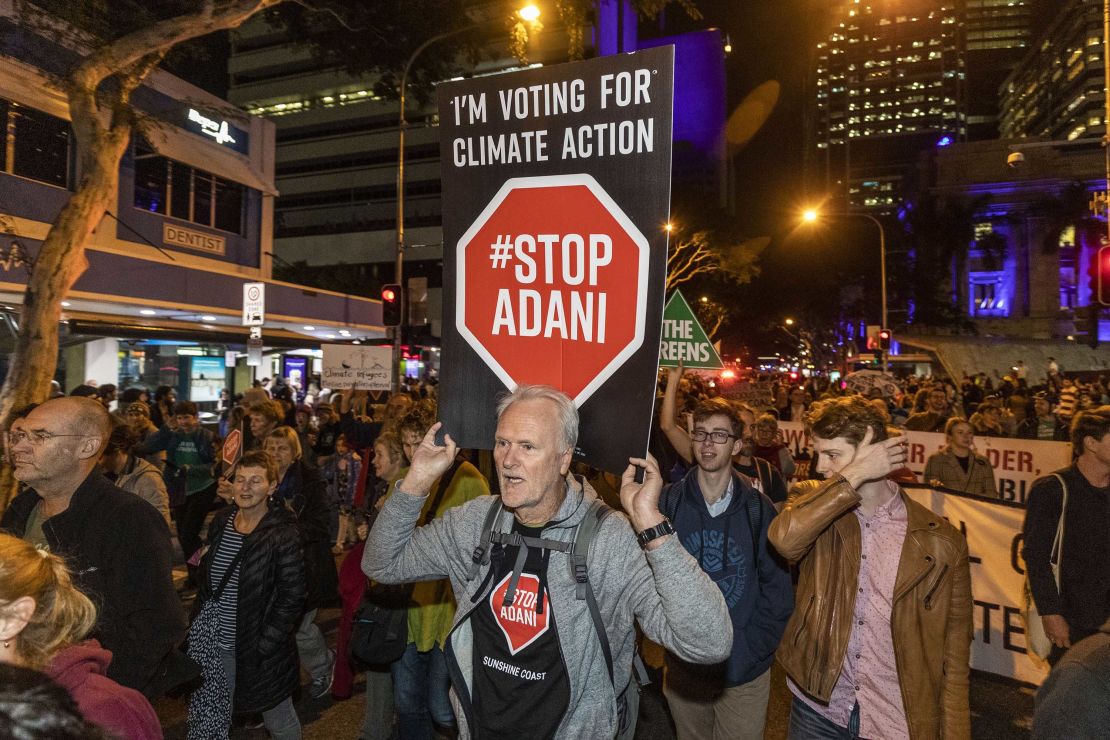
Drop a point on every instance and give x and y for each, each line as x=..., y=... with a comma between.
x=521, y=689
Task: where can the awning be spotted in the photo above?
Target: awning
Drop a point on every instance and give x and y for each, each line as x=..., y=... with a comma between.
x=190, y=149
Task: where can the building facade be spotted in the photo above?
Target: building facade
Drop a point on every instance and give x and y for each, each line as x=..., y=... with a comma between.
x=1029, y=272
x=162, y=298
x=1058, y=89
x=895, y=78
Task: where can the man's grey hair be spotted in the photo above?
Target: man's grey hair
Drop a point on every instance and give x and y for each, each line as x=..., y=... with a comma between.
x=566, y=414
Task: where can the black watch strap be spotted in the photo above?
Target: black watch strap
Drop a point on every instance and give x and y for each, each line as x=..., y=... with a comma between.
x=662, y=529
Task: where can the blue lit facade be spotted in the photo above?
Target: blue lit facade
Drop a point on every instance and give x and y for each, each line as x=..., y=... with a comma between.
x=1028, y=268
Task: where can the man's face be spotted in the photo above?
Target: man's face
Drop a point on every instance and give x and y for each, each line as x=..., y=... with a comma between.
x=410, y=440
x=938, y=401
x=260, y=425
x=764, y=434
x=710, y=455
x=397, y=406
x=834, y=454
x=1099, y=450
x=46, y=452
x=1042, y=407
x=531, y=457
x=186, y=422
x=383, y=463
x=797, y=396
x=323, y=416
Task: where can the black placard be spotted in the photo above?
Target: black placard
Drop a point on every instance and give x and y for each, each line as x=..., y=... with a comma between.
x=556, y=189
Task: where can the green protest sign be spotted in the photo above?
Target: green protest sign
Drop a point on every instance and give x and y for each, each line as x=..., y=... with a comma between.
x=684, y=339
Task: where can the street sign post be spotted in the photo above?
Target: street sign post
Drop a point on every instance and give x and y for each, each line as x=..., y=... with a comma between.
x=254, y=304
x=556, y=186
x=684, y=339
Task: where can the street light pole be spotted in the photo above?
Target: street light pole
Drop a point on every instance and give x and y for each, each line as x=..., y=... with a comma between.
x=402, y=124
x=812, y=215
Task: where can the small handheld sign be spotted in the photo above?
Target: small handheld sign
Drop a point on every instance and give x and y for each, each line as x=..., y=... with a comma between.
x=684, y=340
x=232, y=450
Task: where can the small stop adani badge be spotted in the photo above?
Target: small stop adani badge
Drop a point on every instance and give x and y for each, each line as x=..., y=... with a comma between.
x=556, y=187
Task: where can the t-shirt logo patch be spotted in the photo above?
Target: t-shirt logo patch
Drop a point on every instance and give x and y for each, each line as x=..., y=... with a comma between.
x=519, y=622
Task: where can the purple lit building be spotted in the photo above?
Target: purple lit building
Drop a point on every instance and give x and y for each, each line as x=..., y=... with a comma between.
x=1027, y=274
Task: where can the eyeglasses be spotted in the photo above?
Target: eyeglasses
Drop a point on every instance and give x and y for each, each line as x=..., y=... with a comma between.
x=700, y=435
x=37, y=439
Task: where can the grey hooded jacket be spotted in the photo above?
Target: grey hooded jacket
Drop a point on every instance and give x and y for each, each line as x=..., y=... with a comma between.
x=665, y=590
x=145, y=480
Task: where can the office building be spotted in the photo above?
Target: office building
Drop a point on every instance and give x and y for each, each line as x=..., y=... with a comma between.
x=1058, y=89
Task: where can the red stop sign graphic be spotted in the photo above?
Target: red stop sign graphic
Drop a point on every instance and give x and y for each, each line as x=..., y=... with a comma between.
x=552, y=284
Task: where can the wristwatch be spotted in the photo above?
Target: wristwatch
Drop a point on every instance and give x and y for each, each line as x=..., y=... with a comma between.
x=662, y=529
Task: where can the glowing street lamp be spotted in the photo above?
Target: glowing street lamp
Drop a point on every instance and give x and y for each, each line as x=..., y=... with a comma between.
x=812, y=215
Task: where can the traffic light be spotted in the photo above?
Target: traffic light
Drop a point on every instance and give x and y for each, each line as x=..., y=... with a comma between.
x=1101, y=288
x=391, y=304
x=884, y=339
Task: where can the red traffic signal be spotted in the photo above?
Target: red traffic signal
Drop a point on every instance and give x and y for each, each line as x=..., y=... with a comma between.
x=1102, y=276
x=391, y=305
x=884, y=339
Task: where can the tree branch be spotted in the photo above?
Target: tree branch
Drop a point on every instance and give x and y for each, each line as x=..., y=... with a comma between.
x=159, y=37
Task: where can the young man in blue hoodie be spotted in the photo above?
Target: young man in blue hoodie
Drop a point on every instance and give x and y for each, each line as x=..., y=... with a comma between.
x=721, y=519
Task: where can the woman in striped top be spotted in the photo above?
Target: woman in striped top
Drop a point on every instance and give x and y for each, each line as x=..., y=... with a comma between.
x=261, y=602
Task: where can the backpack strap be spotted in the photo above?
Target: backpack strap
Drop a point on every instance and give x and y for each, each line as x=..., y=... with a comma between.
x=481, y=553
x=583, y=537
x=755, y=522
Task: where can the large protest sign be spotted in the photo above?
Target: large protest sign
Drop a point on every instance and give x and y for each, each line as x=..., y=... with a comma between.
x=993, y=532
x=358, y=367
x=684, y=340
x=1016, y=462
x=556, y=184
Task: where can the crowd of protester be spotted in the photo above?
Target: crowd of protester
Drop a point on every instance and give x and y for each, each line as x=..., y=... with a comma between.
x=335, y=486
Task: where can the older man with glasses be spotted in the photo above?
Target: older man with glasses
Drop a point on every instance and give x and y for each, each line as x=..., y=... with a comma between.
x=117, y=546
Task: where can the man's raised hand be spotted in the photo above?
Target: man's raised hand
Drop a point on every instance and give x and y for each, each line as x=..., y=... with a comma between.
x=429, y=461
x=875, y=460
x=641, y=500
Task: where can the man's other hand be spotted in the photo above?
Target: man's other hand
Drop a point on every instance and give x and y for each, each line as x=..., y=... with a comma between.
x=1056, y=627
x=641, y=500
x=875, y=460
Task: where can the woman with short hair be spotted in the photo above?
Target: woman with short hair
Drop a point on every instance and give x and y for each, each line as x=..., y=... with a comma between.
x=253, y=574
x=44, y=620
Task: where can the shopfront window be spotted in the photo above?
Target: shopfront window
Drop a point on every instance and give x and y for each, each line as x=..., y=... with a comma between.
x=34, y=144
x=189, y=193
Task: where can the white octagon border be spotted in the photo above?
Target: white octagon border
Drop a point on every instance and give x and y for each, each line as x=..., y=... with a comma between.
x=556, y=181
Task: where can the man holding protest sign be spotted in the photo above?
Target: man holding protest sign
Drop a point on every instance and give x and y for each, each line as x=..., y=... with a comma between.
x=1081, y=494
x=516, y=667
x=880, y=644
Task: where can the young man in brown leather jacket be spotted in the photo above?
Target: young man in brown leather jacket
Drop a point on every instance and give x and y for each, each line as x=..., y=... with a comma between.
x=879, y=642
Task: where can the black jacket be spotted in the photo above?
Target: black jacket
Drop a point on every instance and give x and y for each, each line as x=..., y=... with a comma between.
x=1029, y=426
x=304, y=492
x=118, y=549
x=271, y=600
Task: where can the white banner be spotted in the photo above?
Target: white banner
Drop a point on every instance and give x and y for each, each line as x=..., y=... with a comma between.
x=1016, y=462
x=352, y=366
x=993, y=532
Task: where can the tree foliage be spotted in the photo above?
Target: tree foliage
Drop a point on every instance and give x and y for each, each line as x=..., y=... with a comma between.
x=698, y=254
